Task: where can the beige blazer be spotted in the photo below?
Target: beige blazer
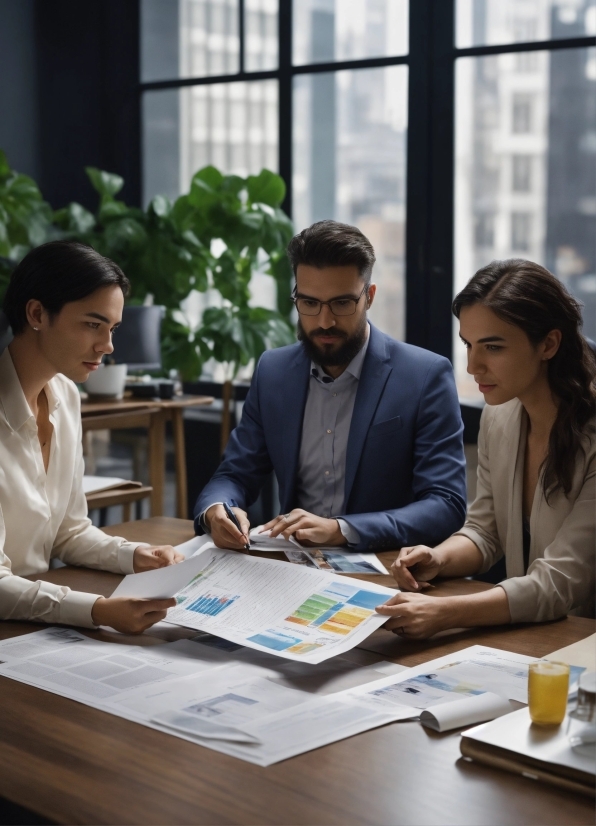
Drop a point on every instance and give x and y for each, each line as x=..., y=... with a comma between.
x=560, y=575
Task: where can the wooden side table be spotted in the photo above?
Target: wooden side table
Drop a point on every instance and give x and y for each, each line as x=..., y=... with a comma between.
x=151, y=414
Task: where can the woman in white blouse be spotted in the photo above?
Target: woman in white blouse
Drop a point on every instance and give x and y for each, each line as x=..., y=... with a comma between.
x=535, y=502
x=63, y=302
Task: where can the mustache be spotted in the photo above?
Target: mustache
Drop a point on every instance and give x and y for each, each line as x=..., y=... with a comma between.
x=332, y=332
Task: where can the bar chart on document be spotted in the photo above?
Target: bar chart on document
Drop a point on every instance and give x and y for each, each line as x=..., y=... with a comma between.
x=212, y=604
x=287, y=610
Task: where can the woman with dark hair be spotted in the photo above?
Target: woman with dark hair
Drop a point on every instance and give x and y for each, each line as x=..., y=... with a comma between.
x=63, y=302
x=535, y=502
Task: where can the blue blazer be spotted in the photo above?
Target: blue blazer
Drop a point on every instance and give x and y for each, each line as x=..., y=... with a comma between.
x=405, y=481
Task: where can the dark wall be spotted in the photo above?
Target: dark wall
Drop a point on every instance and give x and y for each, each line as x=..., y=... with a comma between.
x=18, y=86
x=68, y=76
x=88, y=69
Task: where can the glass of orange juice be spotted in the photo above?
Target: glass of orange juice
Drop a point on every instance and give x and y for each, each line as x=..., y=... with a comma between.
x=548, y=686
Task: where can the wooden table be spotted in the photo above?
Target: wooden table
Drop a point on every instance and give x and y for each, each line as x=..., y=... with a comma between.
x=74, y=764
x=151, y=414
x=124, y=495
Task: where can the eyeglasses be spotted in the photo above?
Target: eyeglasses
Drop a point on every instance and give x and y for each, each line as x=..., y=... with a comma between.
x=338, y=306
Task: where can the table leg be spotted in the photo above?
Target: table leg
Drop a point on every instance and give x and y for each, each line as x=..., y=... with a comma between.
x=157, y=462
x=180, y=454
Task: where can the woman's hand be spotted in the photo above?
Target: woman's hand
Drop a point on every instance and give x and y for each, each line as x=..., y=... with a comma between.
x=308, y=529
x=416, y=615
x=128, y=615
x=154, y=556
x=415, y=567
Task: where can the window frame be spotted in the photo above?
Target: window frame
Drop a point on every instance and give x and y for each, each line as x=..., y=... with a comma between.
x=430, y=161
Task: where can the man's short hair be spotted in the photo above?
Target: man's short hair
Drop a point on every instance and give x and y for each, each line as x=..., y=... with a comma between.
x=331, y=244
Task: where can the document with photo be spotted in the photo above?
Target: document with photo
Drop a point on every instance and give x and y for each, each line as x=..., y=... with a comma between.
x=340, y=562
x=287, y=610
x=464, y=674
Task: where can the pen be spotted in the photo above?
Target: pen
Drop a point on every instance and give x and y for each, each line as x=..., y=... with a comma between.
x=233, y=518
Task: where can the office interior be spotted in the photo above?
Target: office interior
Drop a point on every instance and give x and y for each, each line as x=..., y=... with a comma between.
x=451, y=132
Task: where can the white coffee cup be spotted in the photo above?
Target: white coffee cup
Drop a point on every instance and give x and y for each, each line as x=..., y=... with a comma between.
x=107, y=381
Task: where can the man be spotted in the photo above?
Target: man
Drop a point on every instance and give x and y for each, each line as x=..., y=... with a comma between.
x=364, y=433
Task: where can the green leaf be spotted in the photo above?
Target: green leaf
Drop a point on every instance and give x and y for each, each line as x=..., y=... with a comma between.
x=109, y=209
x=75, y=219
x=210, y=176
x=106, y=183
x=266, y=188
x=161, y=206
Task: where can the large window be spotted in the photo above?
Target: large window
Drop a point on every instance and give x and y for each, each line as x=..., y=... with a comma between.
x=211, y=94
x=526, y=146
x=452, y=132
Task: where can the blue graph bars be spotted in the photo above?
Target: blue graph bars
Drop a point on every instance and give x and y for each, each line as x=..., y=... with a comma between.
x=211, y=605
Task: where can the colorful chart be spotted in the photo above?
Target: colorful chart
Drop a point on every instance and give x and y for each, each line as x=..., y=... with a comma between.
x=275, y=640
x=338, y=609
x=211, y=604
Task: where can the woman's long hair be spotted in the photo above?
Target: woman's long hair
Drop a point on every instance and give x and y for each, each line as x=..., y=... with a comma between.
x=529, y=296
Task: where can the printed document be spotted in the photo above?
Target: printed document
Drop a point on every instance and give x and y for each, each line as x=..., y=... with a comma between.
x=287, y=610
x=340, y=562
x=209, y=691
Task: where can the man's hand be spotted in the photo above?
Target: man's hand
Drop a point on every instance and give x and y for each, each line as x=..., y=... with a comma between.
x=148, y=558
x=415, y=567
x=306, y=528
x=223, y=531
x=128, y=615
x=416, y=615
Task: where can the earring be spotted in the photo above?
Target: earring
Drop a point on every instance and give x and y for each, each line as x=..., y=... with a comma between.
x=36, y=329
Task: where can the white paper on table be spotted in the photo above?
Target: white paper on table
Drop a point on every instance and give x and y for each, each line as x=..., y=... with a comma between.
x=465, y=712
x=277, y=722
x=94, y=484
x=261, y=541
x=339, y=562
x=222, y=709
x=467, y=673
x=285, y=610
x=68, y=663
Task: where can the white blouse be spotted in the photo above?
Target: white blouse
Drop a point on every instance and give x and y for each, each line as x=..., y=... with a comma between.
x=45, y=515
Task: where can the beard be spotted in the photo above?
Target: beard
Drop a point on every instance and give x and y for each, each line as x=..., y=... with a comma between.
x=332, y=355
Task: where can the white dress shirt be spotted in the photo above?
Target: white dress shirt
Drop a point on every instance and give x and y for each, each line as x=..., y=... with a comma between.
x=45, y=515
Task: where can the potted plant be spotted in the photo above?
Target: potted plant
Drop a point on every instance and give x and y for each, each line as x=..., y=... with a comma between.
x=216, y=236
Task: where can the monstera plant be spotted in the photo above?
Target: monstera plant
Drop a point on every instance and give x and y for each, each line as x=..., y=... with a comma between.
x=216, y=236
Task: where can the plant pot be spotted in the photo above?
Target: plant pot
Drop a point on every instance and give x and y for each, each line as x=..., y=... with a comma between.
x=107, y=382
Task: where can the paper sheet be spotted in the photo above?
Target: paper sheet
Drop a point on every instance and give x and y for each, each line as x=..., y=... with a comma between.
x=216, y=694
x=261, y=541
x=93, y=484
x=464, y=674
x=282, y=609
x=341, y=562
x=66, y=662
